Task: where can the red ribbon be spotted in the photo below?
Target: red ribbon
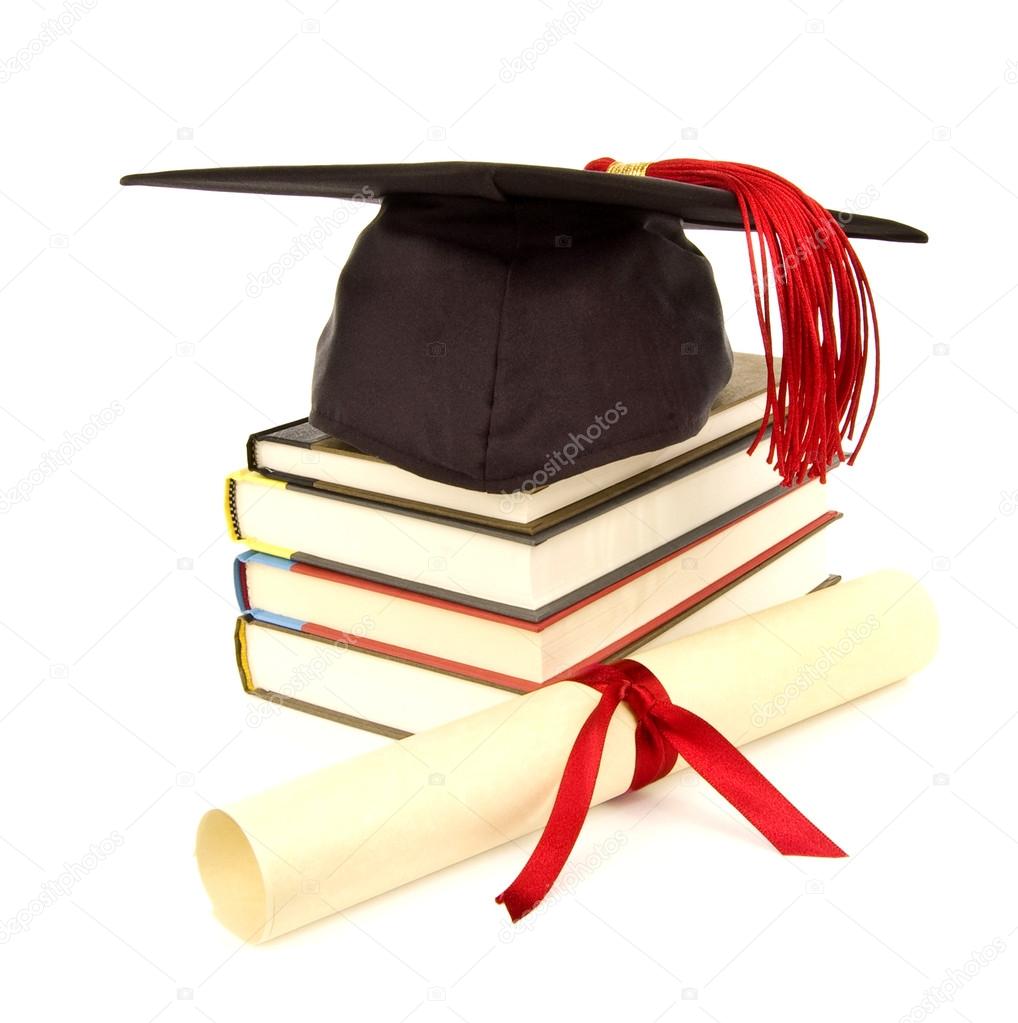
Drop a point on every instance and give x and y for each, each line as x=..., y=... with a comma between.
x=663, y=733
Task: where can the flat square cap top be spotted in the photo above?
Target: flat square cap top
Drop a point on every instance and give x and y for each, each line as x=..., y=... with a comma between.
x=696, y=205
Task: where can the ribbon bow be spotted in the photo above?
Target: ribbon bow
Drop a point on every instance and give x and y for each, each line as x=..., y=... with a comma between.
x=663, y=733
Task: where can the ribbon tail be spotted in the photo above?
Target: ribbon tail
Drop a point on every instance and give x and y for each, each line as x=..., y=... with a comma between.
x=723, y=767
x=567, y=814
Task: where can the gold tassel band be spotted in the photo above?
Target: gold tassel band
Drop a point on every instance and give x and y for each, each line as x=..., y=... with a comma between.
x=627, y=168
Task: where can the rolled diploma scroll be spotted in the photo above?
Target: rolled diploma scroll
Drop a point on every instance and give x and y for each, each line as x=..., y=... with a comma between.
x=323, y=842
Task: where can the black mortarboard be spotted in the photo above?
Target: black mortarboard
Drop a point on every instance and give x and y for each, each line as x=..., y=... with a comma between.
x=492, y=315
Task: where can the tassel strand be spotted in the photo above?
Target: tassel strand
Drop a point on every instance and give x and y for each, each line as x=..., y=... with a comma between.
x=825, y=308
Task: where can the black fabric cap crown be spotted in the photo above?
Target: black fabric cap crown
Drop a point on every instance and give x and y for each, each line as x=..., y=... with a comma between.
x=494, y=319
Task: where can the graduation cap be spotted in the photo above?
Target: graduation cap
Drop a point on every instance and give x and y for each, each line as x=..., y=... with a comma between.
x=491, y=313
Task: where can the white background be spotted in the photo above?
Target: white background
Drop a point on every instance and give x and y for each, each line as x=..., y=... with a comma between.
x=121, y=719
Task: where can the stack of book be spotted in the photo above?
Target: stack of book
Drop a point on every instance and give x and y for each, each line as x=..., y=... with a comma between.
x=394, y=603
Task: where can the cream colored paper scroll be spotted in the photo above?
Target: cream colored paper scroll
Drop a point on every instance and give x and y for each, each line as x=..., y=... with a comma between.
x=323, y=842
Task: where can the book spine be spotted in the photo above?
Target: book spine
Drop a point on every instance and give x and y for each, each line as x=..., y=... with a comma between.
x=252, y=460
x=230, y=508
x=240, y=580
x=240, y=650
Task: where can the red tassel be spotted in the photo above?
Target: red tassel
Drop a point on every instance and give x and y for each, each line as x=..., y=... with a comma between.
x=823, y=298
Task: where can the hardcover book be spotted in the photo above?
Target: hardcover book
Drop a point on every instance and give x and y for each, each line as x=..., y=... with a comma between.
x=298, y=453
